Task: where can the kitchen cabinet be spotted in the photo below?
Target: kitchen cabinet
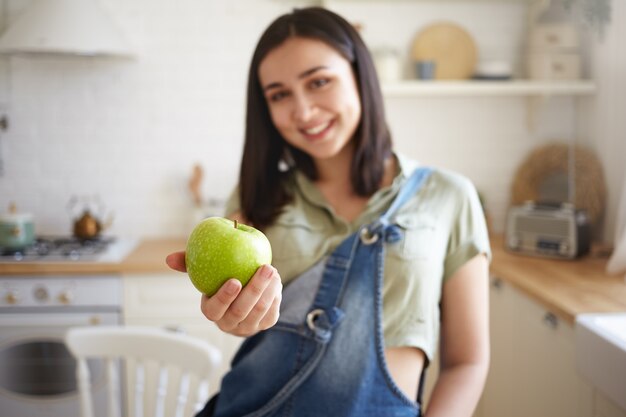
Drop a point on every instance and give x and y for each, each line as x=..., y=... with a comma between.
x=169, y=300
x=532, y=370
x=532, y=364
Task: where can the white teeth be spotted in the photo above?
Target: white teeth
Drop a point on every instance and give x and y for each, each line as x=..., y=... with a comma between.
x=317, y=129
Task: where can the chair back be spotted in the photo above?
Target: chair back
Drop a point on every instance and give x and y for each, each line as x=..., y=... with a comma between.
x=181, y=362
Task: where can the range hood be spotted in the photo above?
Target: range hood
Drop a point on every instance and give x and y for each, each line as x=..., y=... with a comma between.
x=64, y=27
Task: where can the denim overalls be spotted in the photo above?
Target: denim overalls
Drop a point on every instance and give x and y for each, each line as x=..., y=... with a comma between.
x=325, y=356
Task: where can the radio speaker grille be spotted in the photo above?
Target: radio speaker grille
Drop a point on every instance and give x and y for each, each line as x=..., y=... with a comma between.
x=547, y=226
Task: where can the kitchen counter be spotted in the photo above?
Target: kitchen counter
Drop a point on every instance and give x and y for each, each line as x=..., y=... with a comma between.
x=566, y=288
x=147, y=257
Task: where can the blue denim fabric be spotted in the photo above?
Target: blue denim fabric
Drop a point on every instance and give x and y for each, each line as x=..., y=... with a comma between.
x=325, y=356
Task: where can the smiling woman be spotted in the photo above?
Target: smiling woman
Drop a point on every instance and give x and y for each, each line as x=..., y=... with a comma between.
x=378, y=254
x=314, y=107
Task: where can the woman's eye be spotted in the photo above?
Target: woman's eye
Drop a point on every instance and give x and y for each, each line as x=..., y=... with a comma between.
x=320, y=82
x=277, y=96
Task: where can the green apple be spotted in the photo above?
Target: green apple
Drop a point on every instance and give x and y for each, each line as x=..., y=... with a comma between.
x=219, y=249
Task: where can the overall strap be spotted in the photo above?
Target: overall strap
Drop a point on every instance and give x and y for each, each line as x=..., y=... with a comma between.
x=325, y=312
x=408, y=190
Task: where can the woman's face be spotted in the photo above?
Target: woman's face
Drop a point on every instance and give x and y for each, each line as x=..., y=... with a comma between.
x=312, y=96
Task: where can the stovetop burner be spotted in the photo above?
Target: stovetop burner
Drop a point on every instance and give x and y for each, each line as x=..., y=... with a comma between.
x=50, y=249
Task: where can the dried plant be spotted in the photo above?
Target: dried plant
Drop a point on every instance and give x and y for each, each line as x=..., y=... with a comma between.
x=595, y=13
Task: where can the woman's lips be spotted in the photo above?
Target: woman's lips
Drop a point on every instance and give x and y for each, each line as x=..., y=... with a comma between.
x=317, y=132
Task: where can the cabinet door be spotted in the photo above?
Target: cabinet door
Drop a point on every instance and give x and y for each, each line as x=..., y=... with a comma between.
x=160, y=295
x=546, y=381
x=532, y=368
x=497, y=399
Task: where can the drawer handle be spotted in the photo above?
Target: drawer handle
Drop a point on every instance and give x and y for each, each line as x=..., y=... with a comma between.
x=551, y=320
x=496, y=283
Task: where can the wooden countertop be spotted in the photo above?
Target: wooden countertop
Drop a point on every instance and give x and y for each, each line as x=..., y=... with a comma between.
x=147, y=257
x=566, y=288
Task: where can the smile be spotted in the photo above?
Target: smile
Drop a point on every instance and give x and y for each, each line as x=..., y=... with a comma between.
x=318, y=130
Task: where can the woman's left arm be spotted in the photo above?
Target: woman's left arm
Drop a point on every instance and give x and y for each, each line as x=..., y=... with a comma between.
x=464, y=348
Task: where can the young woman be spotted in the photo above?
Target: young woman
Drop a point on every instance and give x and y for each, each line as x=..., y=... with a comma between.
x=381, y=258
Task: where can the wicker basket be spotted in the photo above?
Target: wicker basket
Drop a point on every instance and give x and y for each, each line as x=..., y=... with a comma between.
x=553, y=159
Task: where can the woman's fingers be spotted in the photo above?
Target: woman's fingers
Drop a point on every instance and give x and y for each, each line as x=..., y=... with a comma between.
x=176, y=261
x=266, y=306
x=215, y=307
x=245, y=311
x=271, y=317
x=248, y=298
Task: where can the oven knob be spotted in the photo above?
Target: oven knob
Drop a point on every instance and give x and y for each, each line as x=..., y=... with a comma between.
x=41, y=294
x=66, y=297
x=12, y=297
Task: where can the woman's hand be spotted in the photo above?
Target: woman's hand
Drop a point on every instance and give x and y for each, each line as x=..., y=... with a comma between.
x=236, y=310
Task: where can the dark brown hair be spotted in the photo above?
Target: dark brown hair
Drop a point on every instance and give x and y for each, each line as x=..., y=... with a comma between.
x=262, y=184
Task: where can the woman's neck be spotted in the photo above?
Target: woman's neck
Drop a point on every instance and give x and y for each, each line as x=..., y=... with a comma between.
x=335, y=173
x=335, y=184
x=335, y=170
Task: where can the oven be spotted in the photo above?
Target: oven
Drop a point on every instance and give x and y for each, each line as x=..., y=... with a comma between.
x=37, y=372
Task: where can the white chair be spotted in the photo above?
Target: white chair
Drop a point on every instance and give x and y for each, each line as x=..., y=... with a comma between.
x=191, y=357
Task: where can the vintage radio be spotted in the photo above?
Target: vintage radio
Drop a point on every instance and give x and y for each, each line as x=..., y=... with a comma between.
x=555, y=231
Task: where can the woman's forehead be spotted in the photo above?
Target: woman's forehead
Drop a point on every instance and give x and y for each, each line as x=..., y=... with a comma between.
x=297, y=55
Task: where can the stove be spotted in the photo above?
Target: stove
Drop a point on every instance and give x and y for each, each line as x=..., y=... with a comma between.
x=105, y=249
x=37, y=372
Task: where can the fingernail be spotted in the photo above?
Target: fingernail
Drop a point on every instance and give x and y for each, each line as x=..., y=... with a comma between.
x=267, y=271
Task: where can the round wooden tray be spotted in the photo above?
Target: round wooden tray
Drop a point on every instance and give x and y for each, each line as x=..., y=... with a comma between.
x=551, y=161
x=450, y=46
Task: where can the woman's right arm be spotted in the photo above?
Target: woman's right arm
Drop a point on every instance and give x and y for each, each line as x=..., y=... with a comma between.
x=236, y=310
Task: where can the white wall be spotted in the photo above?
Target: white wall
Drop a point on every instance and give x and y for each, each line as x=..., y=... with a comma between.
x=607, y=112
x=130, y=131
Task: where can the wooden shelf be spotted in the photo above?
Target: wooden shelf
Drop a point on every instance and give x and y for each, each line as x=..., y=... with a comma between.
x=416, y=88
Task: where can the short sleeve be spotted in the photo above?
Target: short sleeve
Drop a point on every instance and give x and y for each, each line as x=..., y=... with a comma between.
x=468, y=235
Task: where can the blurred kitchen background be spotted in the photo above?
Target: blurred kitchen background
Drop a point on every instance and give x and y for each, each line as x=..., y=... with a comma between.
x=108, y=160
x=129, y=130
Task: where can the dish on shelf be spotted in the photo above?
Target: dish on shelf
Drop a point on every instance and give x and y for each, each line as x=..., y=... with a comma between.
x=450, y=46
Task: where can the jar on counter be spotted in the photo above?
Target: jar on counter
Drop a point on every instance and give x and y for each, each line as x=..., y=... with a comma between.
x=17, y=230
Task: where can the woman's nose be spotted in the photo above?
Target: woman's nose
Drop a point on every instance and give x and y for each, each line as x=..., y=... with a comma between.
x=304, y=108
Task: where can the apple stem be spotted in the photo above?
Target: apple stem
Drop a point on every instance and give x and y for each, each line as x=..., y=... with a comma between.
x=236, y=224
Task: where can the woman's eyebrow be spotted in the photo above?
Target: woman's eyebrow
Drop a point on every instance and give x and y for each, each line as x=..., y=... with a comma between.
x=304, y=74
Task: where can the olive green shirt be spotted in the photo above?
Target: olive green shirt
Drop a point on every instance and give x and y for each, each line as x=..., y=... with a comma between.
x=444, y=227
